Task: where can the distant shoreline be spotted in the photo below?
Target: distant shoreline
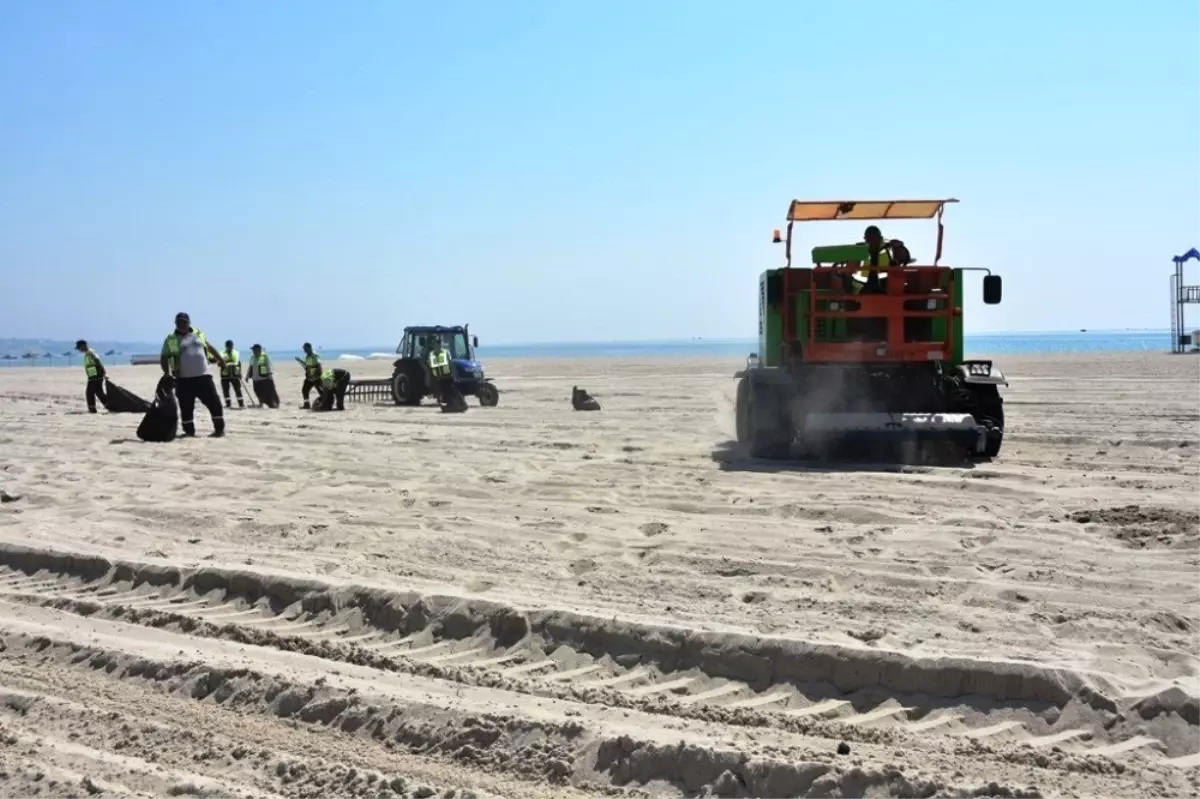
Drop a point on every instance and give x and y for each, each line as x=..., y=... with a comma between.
x=992, y=344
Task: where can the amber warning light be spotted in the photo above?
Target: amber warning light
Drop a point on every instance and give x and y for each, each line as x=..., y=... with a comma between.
x=775, y=238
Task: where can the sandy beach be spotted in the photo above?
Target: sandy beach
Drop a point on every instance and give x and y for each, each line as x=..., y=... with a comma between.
x=528, y=601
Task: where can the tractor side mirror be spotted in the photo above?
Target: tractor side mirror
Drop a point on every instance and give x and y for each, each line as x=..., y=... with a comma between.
x=993, y=289
x=475, y=342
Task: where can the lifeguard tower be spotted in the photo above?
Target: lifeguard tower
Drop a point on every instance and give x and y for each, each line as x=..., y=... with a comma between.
x=1181, y=296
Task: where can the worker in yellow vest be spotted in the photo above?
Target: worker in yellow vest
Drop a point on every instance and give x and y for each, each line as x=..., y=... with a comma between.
x=94, y=368
x=312, y=371
x=439, y=369
x=185, y=355
x=332, y=390
x=231, y=375
x=260, y=376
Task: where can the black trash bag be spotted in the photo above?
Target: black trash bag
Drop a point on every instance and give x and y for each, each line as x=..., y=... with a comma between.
x=161, y=422
x=121, y=400
x=452, y=400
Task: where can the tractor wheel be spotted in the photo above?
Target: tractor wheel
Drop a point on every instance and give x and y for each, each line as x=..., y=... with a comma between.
x=404, y=391
x=989, y=410
x=763, y=421
x=488, y=394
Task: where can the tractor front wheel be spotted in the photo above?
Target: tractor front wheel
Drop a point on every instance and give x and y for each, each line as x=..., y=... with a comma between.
x=764, y=426
x=488, y=394
x=404, y=390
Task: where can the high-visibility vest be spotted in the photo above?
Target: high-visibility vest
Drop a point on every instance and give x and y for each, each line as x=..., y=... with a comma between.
x=171, y=347
x=311, y=362
x=91, y=364
x=327, y=379
x=232, y=362
x=260, y=365
x=439, y=363
x=861, y=276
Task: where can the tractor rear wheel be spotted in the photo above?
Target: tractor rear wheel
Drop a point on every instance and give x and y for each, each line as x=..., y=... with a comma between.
x=488, y=394
x=404, y=390
x=989, y=411
x=764, y=425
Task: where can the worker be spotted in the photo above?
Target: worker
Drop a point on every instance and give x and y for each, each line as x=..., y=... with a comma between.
x=259, y=375
x=93, y=367
x=185, y=355
x=332, y=387
x=312, y=372
x=231, y=375
x=439, y=369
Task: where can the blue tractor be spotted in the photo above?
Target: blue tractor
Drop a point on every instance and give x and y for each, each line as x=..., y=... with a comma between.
x=411, y=379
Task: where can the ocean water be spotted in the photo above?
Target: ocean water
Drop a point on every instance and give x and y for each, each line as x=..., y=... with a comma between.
x=993, y=344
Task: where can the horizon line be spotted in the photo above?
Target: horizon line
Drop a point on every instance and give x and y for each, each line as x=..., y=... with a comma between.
x=669, y=341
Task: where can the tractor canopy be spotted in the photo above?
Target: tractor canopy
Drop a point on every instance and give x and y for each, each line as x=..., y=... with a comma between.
x=418, y=340
x=863, y=210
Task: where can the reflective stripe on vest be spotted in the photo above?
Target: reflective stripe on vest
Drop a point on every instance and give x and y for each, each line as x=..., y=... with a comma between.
x=232, y=361
x=173, y=348
x=91, y=364
x=311, y=362
x=439, y=363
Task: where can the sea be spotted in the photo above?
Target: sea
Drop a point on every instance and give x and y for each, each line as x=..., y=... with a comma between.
x=42, y=352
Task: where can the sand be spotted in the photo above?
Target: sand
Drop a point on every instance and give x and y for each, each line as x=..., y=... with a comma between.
x=529, y=601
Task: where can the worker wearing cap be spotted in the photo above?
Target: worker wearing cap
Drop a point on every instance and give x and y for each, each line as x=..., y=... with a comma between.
x=94, y=369
x=231, y=375
x=312, y=372
x=185, y=355
x=332, y=387
x=260, y=376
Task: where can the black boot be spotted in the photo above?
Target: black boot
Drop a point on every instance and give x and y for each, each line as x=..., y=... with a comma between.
x=218, y=428
x=228, y=404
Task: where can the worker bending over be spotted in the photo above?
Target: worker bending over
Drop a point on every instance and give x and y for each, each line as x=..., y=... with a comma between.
x=439, y=369
x=332, y=390
x=94, y=369
x=231, y=375
x=260, y=376
x=312, y=371
x=184, y=360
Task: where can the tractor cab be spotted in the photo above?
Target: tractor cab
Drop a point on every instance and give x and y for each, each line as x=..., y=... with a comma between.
x=868, y=300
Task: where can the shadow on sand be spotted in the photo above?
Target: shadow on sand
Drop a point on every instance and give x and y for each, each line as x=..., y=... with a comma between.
x=896, y=460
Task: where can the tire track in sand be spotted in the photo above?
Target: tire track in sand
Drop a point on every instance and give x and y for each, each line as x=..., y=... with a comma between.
x=1049, y=719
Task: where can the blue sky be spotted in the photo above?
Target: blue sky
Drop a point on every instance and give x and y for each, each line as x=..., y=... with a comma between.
x=550, y=170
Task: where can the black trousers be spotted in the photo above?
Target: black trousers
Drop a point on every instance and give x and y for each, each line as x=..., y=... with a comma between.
x=335, y=397
x=235, y=383
x=445, y=388
x=309, y=384
x=266, y=393
x=95, y=389
x=203, y=388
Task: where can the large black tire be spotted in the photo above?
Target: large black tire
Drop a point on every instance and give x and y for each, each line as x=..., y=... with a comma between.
x=404, y=389
x=764, y=426
x=988, y=409
x=488, y=394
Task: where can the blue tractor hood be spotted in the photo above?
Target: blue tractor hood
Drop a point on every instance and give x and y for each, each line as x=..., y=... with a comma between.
x=466, y=364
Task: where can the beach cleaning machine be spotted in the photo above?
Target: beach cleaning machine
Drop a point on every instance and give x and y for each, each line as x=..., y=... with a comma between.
x=868, y=347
